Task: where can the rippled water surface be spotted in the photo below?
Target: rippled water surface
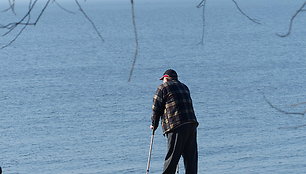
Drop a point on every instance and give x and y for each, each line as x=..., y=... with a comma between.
x=66, y=106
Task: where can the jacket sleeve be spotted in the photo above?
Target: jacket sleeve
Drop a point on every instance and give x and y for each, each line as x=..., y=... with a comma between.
x=158, y=107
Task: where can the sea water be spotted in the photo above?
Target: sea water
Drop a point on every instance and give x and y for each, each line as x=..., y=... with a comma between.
x=66, y=105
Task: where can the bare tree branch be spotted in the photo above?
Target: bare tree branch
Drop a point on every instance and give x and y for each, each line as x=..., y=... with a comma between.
x=12, y=4
x=288, y=113
x=12, y=26
x=296, y=127
x=293, y=127
x=11, y=7
x=291, y=20
x=63, y=8
x=244, y=14
x=87, y=17
x=136, y=41
x=23, y=28
x=282, y=111
x=202, y=5
x=298, y=104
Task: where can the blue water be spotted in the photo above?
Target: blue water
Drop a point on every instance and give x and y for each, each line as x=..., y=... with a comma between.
x=66, y=106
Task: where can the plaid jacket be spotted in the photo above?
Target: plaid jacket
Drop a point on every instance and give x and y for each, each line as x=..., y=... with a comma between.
x=172, y=103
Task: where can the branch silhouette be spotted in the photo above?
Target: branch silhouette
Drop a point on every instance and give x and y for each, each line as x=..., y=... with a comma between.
x=202, y=5
x=298, y=104
x=293, y=127
x=22, y=29
x=300, y=10
x=244, y=14
x=136, y=41
x=26, y=19
x=281, y=110
x=87, y=17
x=11, y=7
x=63, y=8
x=288, y=113
x=12, y=26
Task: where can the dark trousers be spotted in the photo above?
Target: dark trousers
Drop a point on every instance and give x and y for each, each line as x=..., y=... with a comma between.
x=182, y=142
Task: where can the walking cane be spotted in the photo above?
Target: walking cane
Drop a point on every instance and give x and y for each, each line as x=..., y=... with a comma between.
x=150, y=152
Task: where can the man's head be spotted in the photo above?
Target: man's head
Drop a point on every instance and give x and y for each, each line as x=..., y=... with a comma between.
x=170, y=74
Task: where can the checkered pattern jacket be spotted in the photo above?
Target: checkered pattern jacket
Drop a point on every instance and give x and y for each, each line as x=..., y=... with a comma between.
x=172, y=103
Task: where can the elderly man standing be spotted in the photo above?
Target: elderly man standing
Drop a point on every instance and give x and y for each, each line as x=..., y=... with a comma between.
x=172, y=103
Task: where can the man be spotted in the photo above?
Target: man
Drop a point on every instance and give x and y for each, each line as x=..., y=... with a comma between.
x=172, y=103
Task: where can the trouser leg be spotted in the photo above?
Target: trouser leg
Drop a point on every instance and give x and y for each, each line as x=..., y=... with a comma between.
x=182, y=142
x=175, y=148
x=190, y=152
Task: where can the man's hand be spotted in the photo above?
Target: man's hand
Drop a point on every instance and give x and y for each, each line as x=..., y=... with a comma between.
x=153, y=128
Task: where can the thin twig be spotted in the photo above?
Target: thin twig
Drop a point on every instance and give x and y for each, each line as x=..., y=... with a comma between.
x=293, y=127
x=298, y=104
x=5, y=10
x=13, y=25
x=87, y=17
x=202, y=5
x=11, y=7
x=41, y=13
x=291, y=21
x=244, y=14
x=282, y=111
x=296, y=127
x=63, y=8
x=12, y=4
x=22, y=29
x=136, y=40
